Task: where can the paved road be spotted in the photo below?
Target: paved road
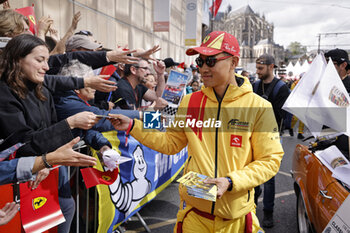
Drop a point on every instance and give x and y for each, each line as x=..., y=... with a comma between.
x=160, y=214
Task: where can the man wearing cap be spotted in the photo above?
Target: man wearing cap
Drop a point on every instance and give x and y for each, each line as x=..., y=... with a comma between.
x=238, y=154
x=267, y=83
x=341, y=62
x=276, y=92
x=170, y=63
x=340, y=59
x=81, y=43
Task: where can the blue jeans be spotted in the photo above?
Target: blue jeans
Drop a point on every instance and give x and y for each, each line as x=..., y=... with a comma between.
x=288, y=120
x=68, y=209
x=269, y=194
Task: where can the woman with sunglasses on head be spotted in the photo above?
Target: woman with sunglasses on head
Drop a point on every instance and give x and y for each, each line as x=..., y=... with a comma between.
x=239, y=152
x=150, y=82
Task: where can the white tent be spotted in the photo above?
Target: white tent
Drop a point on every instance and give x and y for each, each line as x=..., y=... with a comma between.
x=297, y=70
x=305, y=67
x=289, y=67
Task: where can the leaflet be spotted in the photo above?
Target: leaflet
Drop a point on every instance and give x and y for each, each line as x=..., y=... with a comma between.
x=174, y=88
x=196, y=187
x=336, y=162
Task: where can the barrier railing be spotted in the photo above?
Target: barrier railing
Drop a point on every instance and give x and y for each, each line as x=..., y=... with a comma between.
x=104, y=207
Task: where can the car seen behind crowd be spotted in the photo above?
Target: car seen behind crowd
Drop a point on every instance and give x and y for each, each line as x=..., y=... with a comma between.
x=319, y=195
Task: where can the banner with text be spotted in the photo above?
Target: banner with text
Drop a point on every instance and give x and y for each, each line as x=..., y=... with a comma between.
x=161, y=15
x=191, y=23
x=139, y=180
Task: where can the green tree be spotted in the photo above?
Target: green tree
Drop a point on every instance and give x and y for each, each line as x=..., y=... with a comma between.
x=296, y=48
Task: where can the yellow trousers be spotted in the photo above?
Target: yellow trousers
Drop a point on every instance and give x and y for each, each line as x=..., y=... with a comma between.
x=194, y=223
x=301, y=124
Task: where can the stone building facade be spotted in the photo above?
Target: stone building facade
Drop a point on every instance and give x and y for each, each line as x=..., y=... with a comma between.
x=121, y=22
x=253, y=32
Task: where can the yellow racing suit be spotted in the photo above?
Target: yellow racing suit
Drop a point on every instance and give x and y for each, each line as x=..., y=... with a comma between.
x=245, y=147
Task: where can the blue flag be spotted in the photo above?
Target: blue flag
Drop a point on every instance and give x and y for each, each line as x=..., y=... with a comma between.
x=6, y=153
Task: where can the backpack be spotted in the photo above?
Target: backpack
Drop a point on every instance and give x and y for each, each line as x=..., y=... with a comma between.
x=275, y=86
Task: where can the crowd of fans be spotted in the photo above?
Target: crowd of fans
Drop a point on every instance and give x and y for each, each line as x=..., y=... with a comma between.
x=51, y=87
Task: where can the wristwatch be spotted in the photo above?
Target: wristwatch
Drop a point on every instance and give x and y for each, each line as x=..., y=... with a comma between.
x=47, y=165
x=230, y=181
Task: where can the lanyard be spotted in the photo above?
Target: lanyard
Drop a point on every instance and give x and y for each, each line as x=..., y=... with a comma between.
x=84, y=100
x=110, y=93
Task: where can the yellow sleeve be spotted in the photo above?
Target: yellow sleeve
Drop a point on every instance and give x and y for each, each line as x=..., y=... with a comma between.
x=170, y=142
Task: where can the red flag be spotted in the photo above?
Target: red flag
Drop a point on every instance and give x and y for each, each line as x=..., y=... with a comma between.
x=40, y=209
x=7, y=196
x=181, y=65
x=93, y=177
x=108, y=70
x=29, y=13
x=216, y=5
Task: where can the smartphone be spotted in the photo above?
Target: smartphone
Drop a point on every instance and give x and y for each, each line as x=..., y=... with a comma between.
x=104, y=116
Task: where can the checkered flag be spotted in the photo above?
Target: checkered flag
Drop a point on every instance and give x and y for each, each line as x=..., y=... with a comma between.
x=169, y=111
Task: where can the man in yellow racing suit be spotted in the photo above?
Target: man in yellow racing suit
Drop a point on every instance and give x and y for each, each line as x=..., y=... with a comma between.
x=231, y=134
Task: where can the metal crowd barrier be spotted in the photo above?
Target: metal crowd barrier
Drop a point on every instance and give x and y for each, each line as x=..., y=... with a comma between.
x=74, y=174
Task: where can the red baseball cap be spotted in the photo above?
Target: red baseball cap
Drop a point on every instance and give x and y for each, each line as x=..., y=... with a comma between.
x=216, y=42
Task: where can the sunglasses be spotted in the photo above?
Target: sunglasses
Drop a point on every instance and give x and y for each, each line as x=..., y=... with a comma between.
x=210, y=61
x=83, y=32
x=142, y=67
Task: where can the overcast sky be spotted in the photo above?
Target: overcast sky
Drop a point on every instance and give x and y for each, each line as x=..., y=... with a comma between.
x=303, y=20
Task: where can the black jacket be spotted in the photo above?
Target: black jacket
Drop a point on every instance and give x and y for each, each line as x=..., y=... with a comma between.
x=21, y=120
x=276, y=101
x=32, y=121
x=95, y=59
